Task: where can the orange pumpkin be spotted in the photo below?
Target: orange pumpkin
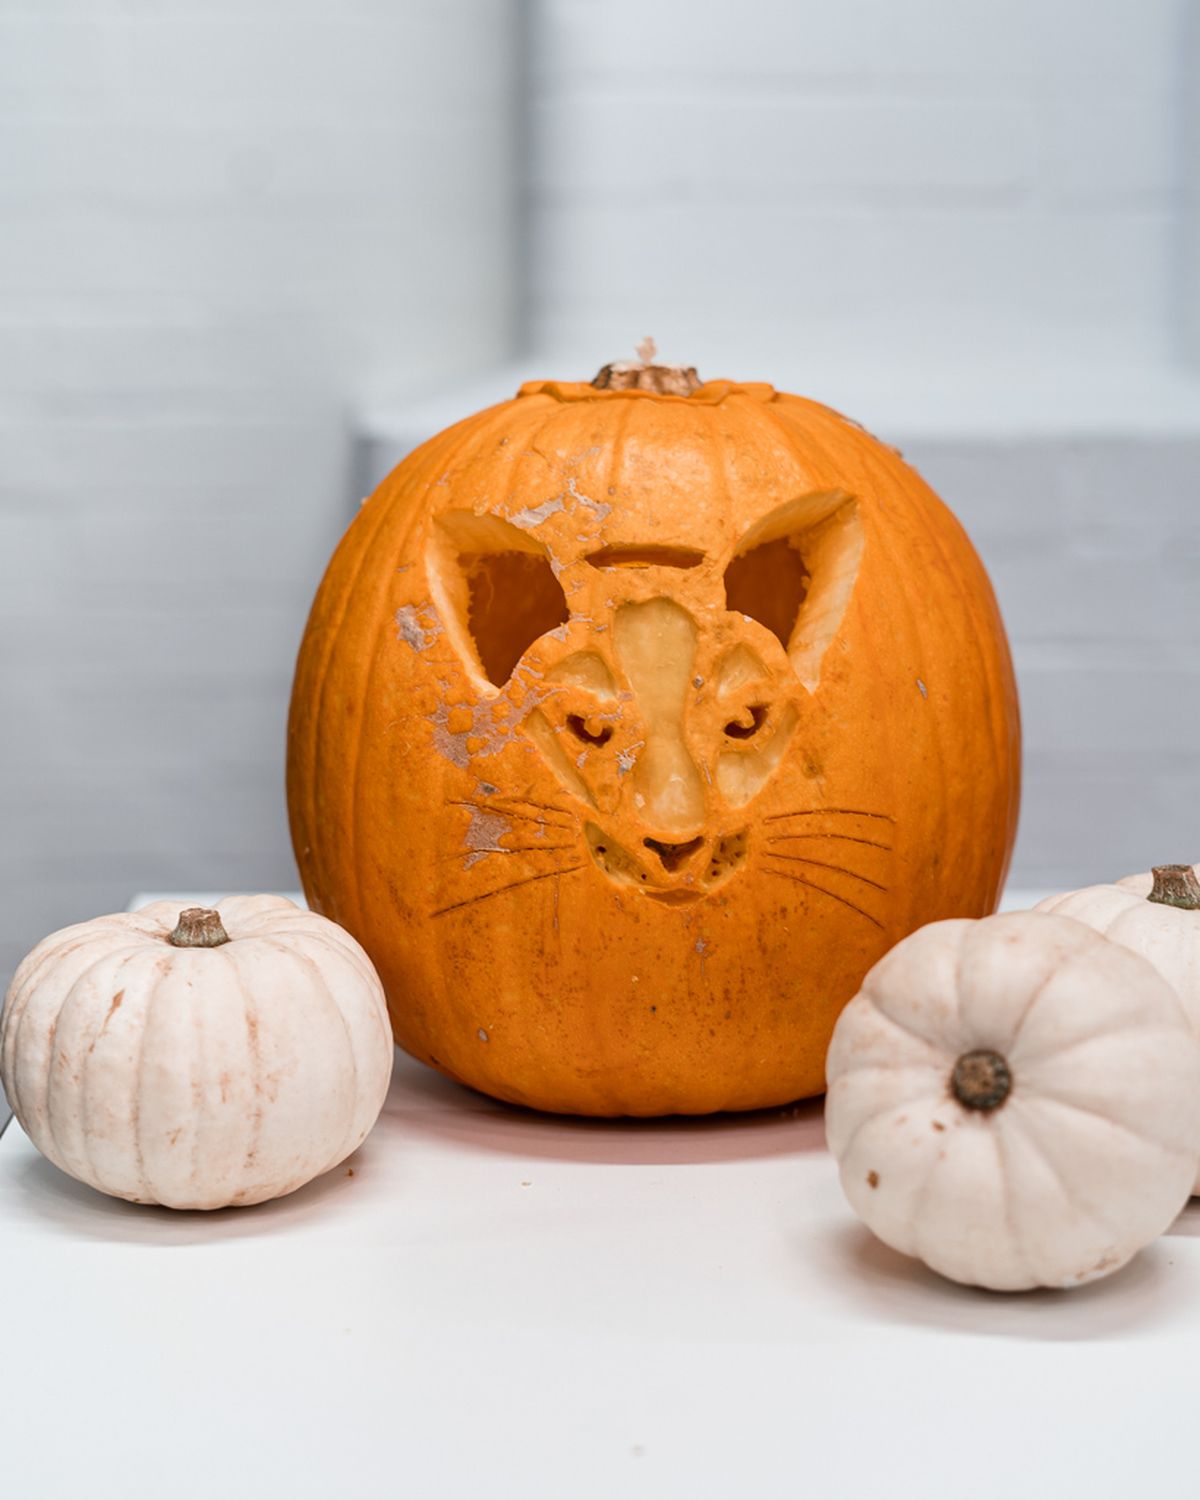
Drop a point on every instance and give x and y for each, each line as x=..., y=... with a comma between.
x=633, y=723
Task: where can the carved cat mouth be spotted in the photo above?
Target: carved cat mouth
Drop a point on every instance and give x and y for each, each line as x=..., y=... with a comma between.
x=674, y=873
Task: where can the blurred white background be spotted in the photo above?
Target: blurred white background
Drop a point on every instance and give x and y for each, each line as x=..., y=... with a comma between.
x=253, y=250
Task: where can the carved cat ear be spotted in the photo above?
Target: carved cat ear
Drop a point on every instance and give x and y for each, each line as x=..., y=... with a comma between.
x=494, y=588
x=794, y=572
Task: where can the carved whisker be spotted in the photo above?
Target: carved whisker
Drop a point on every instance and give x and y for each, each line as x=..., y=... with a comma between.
x=500, y=890
x=812, y=886
x=828, y=812
x=501, y=849
x=549, y=817
x=821, y=864
x=507, y=812
x=848, y=838
x=529, y=802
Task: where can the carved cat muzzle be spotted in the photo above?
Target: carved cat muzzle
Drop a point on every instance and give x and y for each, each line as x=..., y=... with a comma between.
x=663, y=687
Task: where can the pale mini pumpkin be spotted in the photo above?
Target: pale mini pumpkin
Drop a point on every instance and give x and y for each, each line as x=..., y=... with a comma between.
x=633, y=722
x=197, y=1060
x=1015, y=1102
x=1157, y=915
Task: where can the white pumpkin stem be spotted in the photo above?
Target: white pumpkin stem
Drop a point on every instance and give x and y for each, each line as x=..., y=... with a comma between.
x=1176, y=885
x=198, y=927
x=643, y=374
x=981, y=1080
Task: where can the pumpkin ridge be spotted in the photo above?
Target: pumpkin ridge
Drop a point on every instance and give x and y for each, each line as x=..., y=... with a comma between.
x=1173, y=1148
x=253, y=1057
x=196, y=1044
x=144, y=1188
x=328, y=942
x=303, y=760
x=469, y=439
x=1084, y=1207
x=927, y=616
x=295, y=954
x=69, y=998
x=992, y=666
x=976, y=602
x=924, y=1192
x=20, y=992
x=929, y=514
x=617, y=452
x=895, y=1021
x=1124, y=1023
x=16, y=1005
x=1039, y=990
x=305, y=833
x=15, y=1086
x=918, y=608
x=10, y=1020
x=927, y=1092
x=1016, y=1236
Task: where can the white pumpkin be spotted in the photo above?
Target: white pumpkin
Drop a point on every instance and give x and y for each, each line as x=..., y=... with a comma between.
x=1015, y=1101
x=200, y=1059
x=1157, y=915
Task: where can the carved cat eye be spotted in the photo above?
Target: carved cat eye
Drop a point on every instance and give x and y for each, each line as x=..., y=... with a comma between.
x=739, y=731
x=578, y=727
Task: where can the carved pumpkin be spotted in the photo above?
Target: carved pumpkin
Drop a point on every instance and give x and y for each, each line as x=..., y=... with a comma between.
x=634, y=722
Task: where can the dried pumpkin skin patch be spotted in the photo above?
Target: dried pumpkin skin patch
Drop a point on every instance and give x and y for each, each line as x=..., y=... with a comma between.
x=648, y=684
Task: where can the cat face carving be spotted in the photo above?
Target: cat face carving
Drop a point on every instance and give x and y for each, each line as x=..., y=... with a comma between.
x=662, y=685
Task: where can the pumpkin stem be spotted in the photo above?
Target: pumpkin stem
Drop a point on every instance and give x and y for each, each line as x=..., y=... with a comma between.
x=1176, y=885
x=643, y=374
x=198, y=927
x=981, y=1080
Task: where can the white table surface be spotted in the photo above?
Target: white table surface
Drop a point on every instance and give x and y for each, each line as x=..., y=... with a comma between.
x=500, y=1304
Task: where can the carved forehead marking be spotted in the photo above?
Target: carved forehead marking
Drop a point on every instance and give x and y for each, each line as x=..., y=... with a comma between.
x=655, y=644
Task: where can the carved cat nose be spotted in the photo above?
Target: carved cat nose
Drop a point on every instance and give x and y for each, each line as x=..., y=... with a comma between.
x=672, y=856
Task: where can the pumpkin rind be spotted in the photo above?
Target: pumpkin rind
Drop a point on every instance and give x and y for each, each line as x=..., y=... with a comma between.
x=1092, y=1150
x=197, y=1077
x=503, y=912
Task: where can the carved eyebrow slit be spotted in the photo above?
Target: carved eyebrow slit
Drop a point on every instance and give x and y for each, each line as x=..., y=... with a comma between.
x=618, y=555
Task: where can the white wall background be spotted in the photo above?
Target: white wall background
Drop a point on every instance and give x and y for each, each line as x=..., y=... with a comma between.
x=887, y=179
x=219, y=223
x=230, y=227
